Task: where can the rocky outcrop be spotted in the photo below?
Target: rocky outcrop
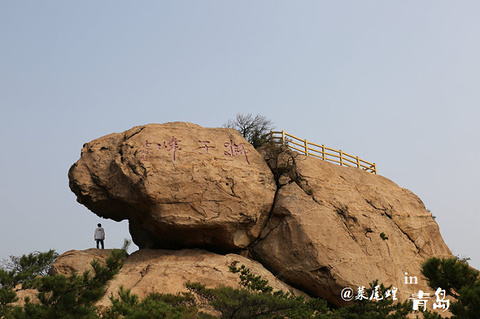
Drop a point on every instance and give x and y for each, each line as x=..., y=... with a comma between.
x=166, y=271
x=319, y=226
x=178, y=184
x=25, y=294
x=78, y=261
x=334, y=227
x=149, y=271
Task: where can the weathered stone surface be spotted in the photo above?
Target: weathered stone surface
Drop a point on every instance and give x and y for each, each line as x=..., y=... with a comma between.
x=23, y=294
x=166, y=271
x=184, y=186
x=68, y=263
x=334, y=227
x=178, y=184
x=78, y=261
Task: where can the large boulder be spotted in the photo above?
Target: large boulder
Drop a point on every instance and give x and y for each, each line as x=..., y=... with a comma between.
x=318, y=226
x=179, y=185
x=334, y=227
x=149, y=271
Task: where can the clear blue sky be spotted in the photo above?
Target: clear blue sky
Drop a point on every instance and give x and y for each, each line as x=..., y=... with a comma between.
x=395, y=82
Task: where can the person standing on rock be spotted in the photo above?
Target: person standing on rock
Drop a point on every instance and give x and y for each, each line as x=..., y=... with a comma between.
x=99, y=235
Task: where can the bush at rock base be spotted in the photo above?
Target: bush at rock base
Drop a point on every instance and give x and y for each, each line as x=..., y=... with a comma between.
x=74, y=296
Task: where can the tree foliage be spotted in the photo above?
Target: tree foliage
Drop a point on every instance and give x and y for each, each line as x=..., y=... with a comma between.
x=245, y=303
x=458, y=280
x=19, y=270
x=449, y=273
x=254, y=129
x=26, y=267
x=59, y=296
x=155, y=305
x=74, y=296
x=258, y=300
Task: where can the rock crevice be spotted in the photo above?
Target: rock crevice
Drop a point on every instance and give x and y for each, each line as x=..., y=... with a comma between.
x=345, y=214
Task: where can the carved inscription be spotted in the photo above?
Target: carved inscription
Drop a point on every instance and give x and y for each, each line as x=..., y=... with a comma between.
x=205, y=145
x=236, y=150
x=173, y=145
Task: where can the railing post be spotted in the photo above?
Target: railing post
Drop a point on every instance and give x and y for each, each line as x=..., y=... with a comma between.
x=341, y=158
x=358, y=162
x=375, y=168
x=323, y=152
x=283, y=137
x=306, y=147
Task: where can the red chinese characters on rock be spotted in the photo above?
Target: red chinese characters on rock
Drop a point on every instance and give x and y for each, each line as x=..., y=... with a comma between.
x=205, y=145
x=231, y=149
x=170, y=146
x=236, y=150
x=145, y=150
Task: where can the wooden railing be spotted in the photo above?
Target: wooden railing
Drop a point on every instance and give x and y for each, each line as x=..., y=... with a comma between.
x=321, y=151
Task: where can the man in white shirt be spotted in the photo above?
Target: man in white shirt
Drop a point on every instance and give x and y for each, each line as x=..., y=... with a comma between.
x=99, y=235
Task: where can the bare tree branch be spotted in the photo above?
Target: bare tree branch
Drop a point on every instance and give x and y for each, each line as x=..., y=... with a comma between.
x=253, y=128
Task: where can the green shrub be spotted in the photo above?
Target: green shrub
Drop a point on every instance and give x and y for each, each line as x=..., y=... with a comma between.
x=458, y=280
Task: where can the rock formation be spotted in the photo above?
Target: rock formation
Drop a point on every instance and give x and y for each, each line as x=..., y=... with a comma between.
x=318, y=226
x=78, y=261
x=178, y=184
x=334, y=227
x=166, y=271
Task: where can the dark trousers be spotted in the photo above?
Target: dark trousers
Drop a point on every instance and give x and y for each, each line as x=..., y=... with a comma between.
x=100, y=241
